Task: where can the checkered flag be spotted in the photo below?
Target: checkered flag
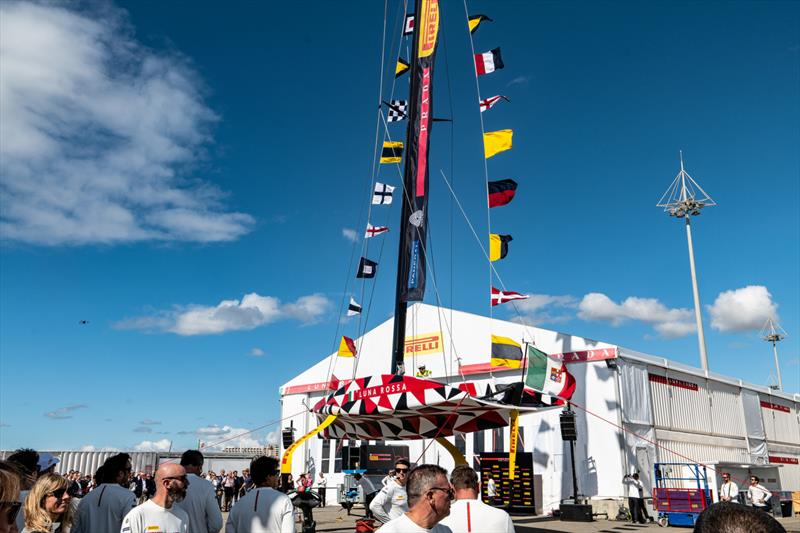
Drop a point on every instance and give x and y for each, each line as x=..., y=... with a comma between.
x=398, y=110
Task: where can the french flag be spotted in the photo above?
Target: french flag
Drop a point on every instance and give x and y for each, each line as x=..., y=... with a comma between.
x=488, y=62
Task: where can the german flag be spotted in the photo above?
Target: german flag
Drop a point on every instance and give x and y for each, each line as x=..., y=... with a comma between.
x=392, y=152
x=506, y=352
x=501, y=192
x=498, y=246
x=401, y=68
x=347, y=348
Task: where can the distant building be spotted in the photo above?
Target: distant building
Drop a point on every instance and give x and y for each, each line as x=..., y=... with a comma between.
x=270, y=450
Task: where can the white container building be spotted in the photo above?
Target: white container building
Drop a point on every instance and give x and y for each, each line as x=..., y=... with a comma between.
x=633, y=410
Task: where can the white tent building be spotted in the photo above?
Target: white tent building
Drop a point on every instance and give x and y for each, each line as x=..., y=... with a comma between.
x=670, y=412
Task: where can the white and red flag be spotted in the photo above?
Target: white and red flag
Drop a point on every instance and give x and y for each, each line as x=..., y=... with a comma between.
x=374, y=230
x=487, y=103
x=488, y=62
x=501, y=297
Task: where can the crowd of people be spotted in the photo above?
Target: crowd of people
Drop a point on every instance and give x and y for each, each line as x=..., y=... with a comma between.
x=180, y=498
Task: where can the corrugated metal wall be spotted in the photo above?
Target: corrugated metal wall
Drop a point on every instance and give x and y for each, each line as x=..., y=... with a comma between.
x=726, y=409
x=703, y=453
x=780, y=419
x=89, y=462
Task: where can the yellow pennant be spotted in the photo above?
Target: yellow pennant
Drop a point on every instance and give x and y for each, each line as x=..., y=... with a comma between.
x=495, y=142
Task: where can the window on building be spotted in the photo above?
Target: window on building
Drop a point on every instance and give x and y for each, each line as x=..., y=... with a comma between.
x=461, y=443
x=478, y=440
x=337, y=462
x=498, y=443
x=326, y=455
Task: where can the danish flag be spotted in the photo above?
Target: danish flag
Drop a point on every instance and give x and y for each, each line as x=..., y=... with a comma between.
x=501, y=297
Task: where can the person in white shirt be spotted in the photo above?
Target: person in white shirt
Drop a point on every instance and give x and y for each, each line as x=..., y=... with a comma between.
x=322, y=487
x=491, y=489
x=368, y=490
x=468, y=513
x=387, y=478
x=759, y=494
x=728, y=491
x=104, y=508
x=201, y=500
x=429, y=497
x=263, y=509
x=159, y=512
x=392, y=500
x=636, y=498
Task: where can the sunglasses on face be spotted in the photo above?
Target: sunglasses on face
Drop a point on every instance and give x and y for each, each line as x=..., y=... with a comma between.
x=11, y=510
x=59, y=493
x=401, y=470
x=450, y=492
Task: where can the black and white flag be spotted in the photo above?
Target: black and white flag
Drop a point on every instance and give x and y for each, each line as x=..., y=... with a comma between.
x=382, y=194
x=398, y=110
x=354, y=308
x=367, y=268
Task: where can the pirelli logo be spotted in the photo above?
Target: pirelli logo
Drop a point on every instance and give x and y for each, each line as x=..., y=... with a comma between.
x=424, y=344
x=428, y=27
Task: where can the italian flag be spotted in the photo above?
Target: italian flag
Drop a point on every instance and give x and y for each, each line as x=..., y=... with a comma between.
x=548, y=376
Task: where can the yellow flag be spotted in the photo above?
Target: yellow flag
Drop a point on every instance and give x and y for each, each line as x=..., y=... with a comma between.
x=498, y=246
x=402, y=66
x=392, y=152
x=347, y=348
x=495, y=142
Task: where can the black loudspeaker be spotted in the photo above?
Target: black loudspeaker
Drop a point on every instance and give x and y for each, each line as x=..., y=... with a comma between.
x=575, y=513
x=287, y=435
x=568, y=432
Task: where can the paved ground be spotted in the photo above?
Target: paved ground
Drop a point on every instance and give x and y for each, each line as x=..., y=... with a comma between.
x=335, y=520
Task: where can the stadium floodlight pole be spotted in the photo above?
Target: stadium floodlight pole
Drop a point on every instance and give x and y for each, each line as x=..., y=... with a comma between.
x=772, y=332
x=684, y=199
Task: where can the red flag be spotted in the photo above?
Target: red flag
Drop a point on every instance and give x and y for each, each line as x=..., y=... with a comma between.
x=501, y=192
x=501, y=297
x=374, y=230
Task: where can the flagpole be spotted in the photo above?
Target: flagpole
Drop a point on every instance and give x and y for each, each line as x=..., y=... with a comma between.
x=522, y=374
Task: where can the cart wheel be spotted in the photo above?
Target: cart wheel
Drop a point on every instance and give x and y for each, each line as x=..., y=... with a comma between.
x=663, y=521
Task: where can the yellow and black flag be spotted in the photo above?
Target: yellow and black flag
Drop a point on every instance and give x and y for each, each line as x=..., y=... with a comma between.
x=401, y=68
x=475, y=21
x=506, y=352
x=498, y=246
x=495, y=142
x=392, y=152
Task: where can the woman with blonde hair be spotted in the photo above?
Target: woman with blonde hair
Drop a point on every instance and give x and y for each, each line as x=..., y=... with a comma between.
x=47, y=508
x=9, y=497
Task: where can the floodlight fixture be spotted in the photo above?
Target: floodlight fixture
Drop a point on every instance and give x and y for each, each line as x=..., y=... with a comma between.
x=773, y=333
x=685, y=198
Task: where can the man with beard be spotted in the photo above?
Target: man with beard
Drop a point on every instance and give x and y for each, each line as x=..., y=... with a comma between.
x=158, y=513
x=104, y=508
x=429, y=498
x=200, y=503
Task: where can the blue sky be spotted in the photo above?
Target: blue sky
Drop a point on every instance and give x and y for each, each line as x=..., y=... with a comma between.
x=160, y=163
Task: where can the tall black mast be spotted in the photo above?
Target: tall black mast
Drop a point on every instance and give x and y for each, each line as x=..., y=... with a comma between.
x=414, y=215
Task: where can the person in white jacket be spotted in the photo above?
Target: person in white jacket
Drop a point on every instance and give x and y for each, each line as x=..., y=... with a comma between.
x=104, y=507
x=392, y=500
x=200, y=502
x=728, y=491
x=468, y=513
x=759, y=494
x=263, y=509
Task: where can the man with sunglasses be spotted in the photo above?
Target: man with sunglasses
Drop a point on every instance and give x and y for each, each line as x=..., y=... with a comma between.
x=104, y=508
x=158, y=513
x=468, y=512
x=429, y=498
x=392, y=500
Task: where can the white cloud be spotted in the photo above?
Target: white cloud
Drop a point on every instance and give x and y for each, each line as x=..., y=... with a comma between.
x=519, y=80
x=543, y=309
x=63, y=413
x=162, y=445
x=150, y=422
x=256, y=352
x=226, y=436
x=350, y=234
x=251, y=312
x=99, y=133
x=669, y=323
x=742, y=309
x=93, y=448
